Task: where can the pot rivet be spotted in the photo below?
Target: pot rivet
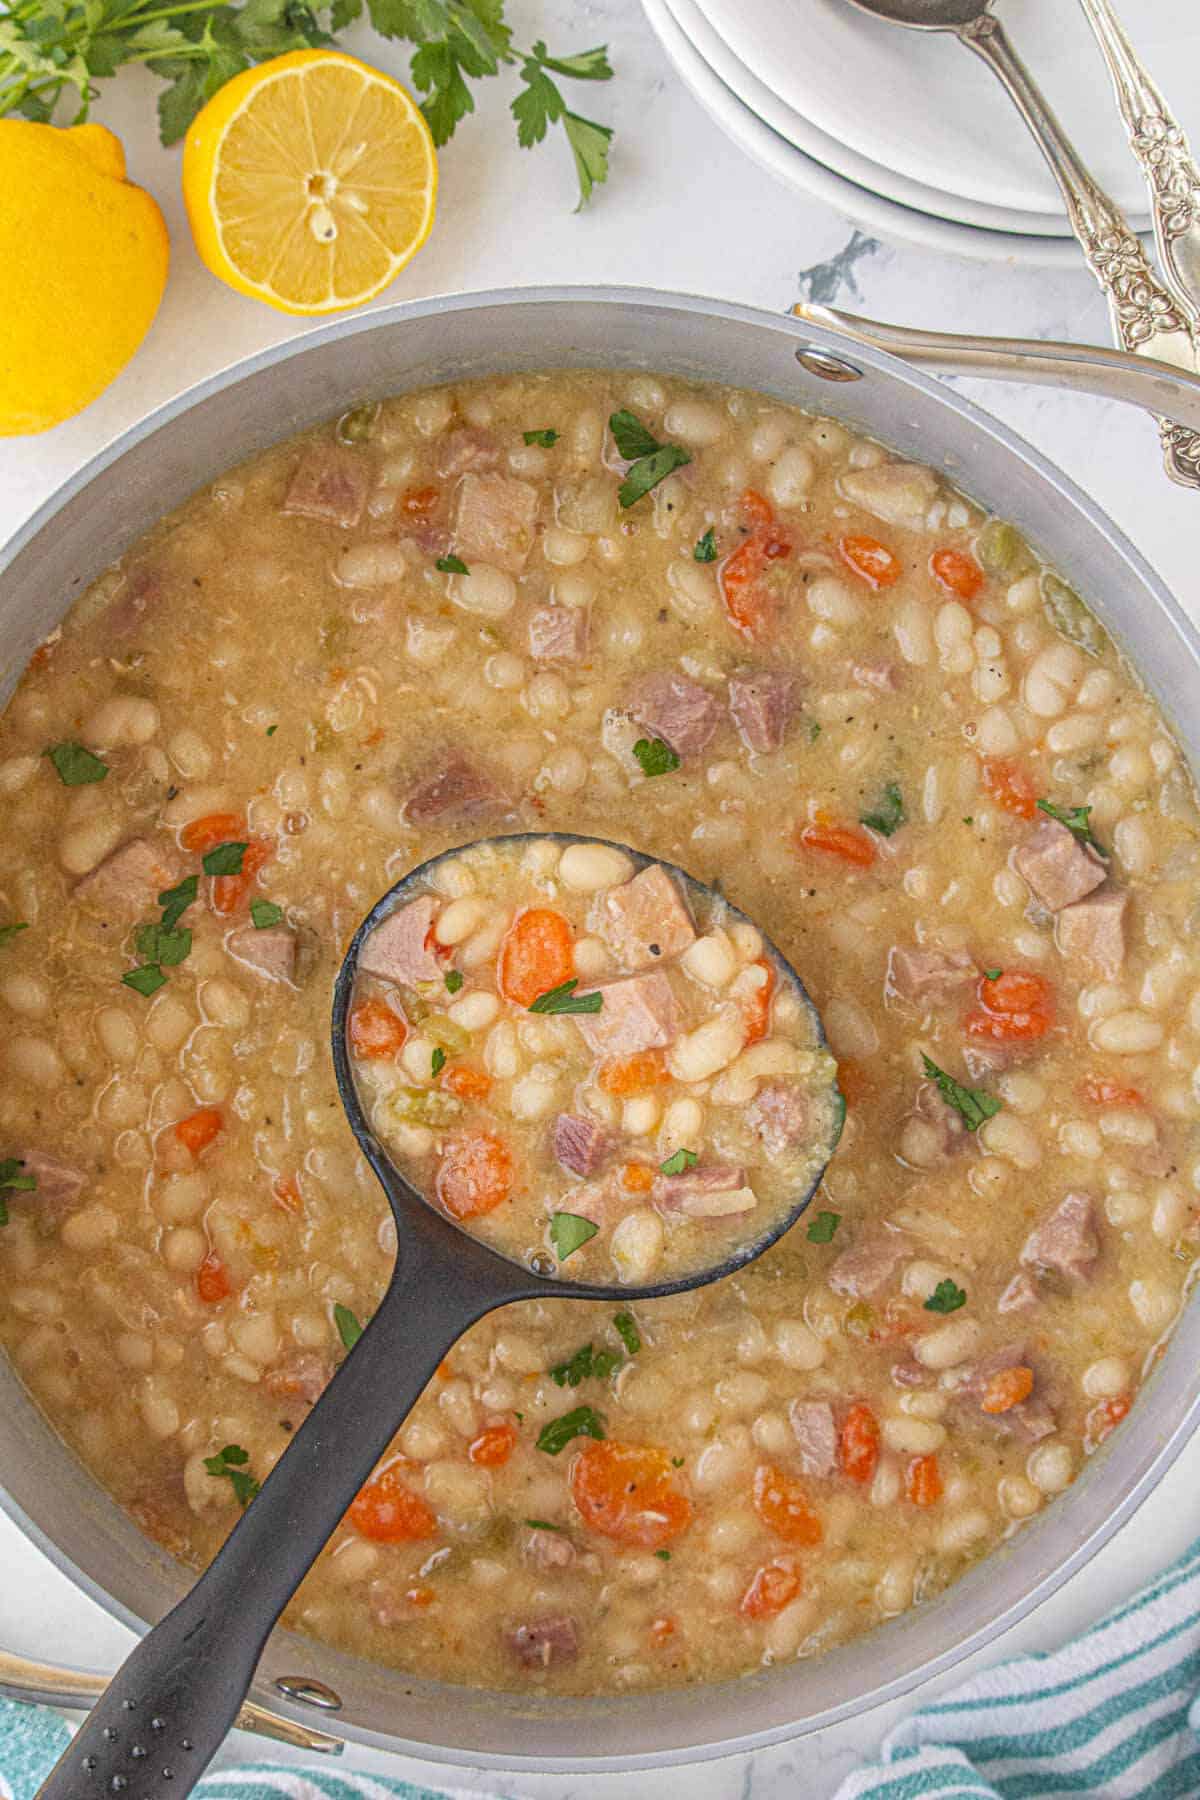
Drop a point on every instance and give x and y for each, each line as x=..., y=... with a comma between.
x=827, y=366
x=309, y=1692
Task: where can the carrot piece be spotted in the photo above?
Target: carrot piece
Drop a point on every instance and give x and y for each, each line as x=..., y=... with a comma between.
x=538, y=953
x=1100, y=1091
x=493, y=1447
x=627, y=1492
x=229, y=891
x=444, y=1370
x=750, y=604
x=772, y=1587
x=782, y=1504
x=662, y=1630
x=871, y=561
x=637, y=1178
x=287, y=1194
x=420, y=1596
x=756, y=1007
x=1018, y=1005
x=468, y=1084
x=1010, y=786
x=846, y=842
x=625, y=1075
x=923, y=1481
x=860, y=1442
x=388, y=1512
x=853, y=1081
x=757, y=507
x=1007, y=1388
x=958, y=572
x=199, y=1129
x=213, y=829
x=475, y=1175
x=212, y=1280
x=1107, y=1416
x=377, y=1031
x=419, y=503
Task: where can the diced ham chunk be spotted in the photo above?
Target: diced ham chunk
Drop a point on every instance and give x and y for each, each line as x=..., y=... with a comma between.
x=779, y=1113
x=1091, y=931
x=495, y=521
x=142, y=591
x=762, y=706
x=302, y=1376
x=330, y=484
x=646, y=920
x=909, y=1373
x=466, y=448
x=1020, y=1294
x=398, y=950
x=878, y=677
x=1065, y=1242
x=984, y=1060
x=270, y=952
x=860, y=1271
x=580, y=1144
x=456, y=787
x=1059, y=869
x=709, y=1191
x=126, y=883
x=1031, y=1419
x=558, y=634
x=680, y=712
x=816, y=1436
x=638, y=1013
x=942, y=1133
x=549, y=1550
x=919, y=975
x=59, y=1184
x=544, y=1643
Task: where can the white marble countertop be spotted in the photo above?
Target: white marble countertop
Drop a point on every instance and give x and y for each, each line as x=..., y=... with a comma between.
x=684, y=209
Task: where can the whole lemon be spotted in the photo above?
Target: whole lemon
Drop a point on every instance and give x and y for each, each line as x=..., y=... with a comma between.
x=83, y=263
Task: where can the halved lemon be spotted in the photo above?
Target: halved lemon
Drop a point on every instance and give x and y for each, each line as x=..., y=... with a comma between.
x=310, y=181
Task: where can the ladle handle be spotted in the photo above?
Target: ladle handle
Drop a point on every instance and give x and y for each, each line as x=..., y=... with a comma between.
x=166, y=1711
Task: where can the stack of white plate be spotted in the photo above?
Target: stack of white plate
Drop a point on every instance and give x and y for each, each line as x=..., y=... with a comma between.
x=910, y=134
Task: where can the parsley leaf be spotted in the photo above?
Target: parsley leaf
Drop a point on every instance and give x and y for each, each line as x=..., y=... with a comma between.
x=265, y=913
x=11, y=1178
x=452, y=565
x=682, y=1159
x=348, y=1327
x=822, y=1228
x=888, y=815
x=971, y=1104
x=230, y=1464
x=705, y=550
x=225, y=859
x=631, y=437
x=167, y=948
x=545, y=439
x=648, y=471
x=540, y=104
x=946, y=1297
x=437, y=1061
x=453, y=979
x=175, y=901
x=663, y=1555
x=9, y=932
x=628, y=1332
x=564, y=999
x=145, y=980
x=76, y=766
x=655, y=757
x=992, y=974
x=581, y=1421
x=543, y=1525
x=587, y=1365
x=570, y=1232
x=1076, y=819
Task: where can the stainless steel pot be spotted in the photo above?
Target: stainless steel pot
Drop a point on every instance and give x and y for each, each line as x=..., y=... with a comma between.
x=185, y=444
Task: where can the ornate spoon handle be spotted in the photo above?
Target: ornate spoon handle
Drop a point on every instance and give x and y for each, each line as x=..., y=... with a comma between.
x=1157, y=140
x=1146, y=319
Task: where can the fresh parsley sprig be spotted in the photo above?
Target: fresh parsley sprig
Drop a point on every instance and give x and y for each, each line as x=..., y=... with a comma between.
x=972, y=1105
x=230, y=1464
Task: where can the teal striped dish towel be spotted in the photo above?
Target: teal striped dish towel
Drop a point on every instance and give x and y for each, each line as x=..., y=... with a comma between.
x=1112, y=1716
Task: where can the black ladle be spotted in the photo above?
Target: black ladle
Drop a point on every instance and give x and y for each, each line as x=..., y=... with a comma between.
x=169, y=1706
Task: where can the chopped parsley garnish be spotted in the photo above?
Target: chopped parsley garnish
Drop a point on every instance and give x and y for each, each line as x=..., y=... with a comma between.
x=163, y=945
x=166, y=948
x=348, y=1327
x=76, y=766
x=544, y=1525
x=587, y=1365
x=651, y=462
x=454, y=980
x=706, y=547
x=814, y=731
x=1076, y=819
x=569, y=1233
x=11, y=1177
x=630, y=436
x=628, y=1332
x=230, y=1464
x=544, y=439
x=581, y=1421
x=992, y=974
x=655, y=757
x=888, y=816
x=225, y=859
x=682, y=1159
x=452, y=565
x=946, y=1297
x=9, y=932
x=271, y=730
x=564, y=999
x=175, y=901
x=265, y=913
x=145, y=980
x=971, y=1104
x=823, y=1227
x=663, y=1555
x=437, y=1061
x=677, y=1462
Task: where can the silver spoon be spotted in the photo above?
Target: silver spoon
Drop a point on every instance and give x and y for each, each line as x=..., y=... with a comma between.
x=167, y=1709
x=1145, y=317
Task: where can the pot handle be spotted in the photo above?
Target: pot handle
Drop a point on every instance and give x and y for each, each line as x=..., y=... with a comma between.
x=1157, y=387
